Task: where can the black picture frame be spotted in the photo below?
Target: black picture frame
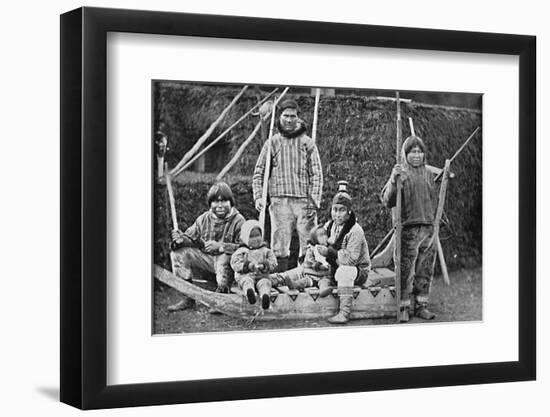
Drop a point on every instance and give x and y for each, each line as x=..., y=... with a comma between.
x=84, y=207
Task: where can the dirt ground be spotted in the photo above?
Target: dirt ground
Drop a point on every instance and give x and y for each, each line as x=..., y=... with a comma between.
x=461, y=301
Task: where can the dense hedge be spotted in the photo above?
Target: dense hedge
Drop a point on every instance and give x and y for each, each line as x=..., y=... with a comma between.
x=356, y=139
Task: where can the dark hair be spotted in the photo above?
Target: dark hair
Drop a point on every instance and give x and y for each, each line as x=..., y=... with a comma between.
x=289, y=104
x=220, y=190
x=413, y=141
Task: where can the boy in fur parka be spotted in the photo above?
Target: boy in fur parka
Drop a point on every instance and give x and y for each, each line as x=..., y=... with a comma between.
x=253, y=262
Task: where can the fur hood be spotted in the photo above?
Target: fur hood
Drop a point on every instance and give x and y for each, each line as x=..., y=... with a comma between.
x=247, y=228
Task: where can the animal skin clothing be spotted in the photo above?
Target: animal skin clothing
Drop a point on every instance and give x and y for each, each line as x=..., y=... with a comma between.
x=350, y=247
x=417, y=215
x=187, y=261
x=245, y=258
x=191, y=257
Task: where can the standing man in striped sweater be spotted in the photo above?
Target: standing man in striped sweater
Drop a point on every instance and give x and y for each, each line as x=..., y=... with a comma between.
x=295, y=183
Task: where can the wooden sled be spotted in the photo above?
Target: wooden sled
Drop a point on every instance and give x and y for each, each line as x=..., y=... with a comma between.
x=375, y=299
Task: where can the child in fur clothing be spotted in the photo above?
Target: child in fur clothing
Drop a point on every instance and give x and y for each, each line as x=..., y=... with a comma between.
x=417, y=217
x=315, y=271
x=253, y=262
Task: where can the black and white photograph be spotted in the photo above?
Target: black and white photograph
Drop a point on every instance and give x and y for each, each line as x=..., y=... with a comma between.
x=299, y=207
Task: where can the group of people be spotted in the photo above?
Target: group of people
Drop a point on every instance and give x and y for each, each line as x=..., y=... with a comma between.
x=333, y=255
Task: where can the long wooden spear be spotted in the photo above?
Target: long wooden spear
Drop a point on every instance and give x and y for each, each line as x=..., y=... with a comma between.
x=411, y=126
x=268, y=159
x=207, y=134
x=459, y=150
x=241, y=150
x=398, y=213
x=222, y=135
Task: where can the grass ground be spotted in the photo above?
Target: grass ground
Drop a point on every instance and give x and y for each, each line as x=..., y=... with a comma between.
x=461, y=301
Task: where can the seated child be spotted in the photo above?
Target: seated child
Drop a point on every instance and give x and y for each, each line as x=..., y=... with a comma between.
x=314, y=271
x=253, y=262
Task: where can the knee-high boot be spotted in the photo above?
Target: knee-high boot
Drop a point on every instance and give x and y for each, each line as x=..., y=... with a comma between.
x=345, y=294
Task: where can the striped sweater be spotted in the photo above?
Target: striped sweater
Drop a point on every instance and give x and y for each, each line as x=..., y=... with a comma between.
x=295, y=169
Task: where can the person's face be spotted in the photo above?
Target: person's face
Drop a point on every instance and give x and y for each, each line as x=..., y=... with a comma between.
x=415, y=157
x=289, y=119
x=220, y=208
x=339, y=213
x=255, y=238
x=321, y=235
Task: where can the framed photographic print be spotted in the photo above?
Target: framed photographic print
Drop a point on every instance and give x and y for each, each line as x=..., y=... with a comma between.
x=258, y=208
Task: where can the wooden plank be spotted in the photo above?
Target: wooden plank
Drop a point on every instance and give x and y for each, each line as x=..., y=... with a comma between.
x=293, y=306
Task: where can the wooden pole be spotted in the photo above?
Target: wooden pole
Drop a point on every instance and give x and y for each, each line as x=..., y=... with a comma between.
x=268, y=159
x=442, y=262
x=437, y=221
x=172, y=201
x=385, y=256
x=398, y=225
x=240, y=151
x=222, y=135
x=411, y=125
x=383, y=242
x=207, y=134
x=315, y=114
x=160, y=166
x=459, y=150
x=441, y=201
